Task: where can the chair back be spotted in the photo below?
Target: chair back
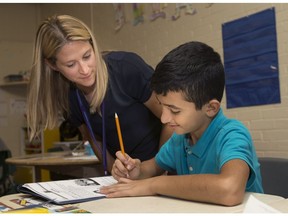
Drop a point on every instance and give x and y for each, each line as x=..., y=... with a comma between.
x=274, y=173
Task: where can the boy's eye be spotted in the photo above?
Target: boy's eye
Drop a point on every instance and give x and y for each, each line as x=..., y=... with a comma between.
x=175, y=112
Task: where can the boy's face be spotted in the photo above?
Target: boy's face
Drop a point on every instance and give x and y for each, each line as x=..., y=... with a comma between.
x=182, y=115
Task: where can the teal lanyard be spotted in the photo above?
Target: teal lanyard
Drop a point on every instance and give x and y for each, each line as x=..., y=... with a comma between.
x=87, y=122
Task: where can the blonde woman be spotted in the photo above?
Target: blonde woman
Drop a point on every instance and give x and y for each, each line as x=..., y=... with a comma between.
x=71, y=77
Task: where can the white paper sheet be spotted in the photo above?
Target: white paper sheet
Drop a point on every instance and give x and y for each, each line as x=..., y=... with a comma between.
x=253, y=205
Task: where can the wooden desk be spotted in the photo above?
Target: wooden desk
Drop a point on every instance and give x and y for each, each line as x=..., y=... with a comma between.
x=159, y=204
x=282, y=205
x=61, y=162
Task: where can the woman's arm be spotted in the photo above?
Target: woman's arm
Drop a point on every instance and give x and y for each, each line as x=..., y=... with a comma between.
x=153, y=105
x=86, y=136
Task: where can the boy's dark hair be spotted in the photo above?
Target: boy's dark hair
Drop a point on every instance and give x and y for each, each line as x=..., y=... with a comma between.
x=193, y=68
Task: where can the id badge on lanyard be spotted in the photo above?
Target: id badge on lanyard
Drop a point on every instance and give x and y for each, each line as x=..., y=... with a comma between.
x=87, y=122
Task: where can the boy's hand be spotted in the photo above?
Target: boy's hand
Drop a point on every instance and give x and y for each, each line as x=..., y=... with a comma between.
x=125, y=167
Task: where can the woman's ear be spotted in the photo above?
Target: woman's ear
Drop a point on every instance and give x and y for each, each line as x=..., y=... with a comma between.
x=50, y=65
x=212, y=108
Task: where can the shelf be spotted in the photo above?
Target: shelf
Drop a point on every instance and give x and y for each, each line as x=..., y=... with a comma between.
x=33, y=149
x=14, y=83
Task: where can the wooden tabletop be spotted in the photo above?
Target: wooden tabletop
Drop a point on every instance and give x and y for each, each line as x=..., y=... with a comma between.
x=53, y=158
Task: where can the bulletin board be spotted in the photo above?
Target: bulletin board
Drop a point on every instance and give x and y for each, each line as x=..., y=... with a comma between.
x=251, y=60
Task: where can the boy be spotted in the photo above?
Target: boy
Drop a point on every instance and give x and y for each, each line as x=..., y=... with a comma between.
x=213, y=156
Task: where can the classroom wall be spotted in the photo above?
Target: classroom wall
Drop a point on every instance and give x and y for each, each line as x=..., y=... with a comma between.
x=18, y=26
x=152, y=40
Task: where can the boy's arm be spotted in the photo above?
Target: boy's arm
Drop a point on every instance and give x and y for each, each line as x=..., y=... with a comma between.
x=127, y=167
x=149, y=169
x=226, y=188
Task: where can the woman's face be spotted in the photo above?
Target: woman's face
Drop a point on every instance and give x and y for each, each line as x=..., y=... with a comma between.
x=76, y=61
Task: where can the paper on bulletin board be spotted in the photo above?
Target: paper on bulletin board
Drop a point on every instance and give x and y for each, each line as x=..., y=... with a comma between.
x=3, y=121
x=3, y=114
x=3, y=109
x=17, y=106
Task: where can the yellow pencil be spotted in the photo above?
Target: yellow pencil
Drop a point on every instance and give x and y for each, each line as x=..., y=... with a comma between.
x=119, y=134
x=39, y=210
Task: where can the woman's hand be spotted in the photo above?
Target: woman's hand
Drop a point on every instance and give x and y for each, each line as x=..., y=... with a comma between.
x=125, y=167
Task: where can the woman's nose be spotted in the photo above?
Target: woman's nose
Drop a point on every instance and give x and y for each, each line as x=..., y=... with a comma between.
x=83, y=68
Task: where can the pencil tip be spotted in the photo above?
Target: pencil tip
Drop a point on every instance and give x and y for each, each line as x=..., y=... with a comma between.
x=116, y=116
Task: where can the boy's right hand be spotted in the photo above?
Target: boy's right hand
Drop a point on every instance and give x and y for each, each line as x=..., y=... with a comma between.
x=125, y=167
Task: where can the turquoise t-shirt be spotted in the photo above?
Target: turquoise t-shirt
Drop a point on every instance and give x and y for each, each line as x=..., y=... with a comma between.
x=224, y=139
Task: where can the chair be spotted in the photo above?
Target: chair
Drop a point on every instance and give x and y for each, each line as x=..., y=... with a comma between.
x=54, y=176
x=274, y=173
x=7, y=185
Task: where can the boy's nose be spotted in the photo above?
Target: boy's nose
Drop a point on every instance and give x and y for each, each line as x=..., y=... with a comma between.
x=165, y=116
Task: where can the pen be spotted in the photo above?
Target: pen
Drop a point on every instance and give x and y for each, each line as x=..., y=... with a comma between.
x=119, y=134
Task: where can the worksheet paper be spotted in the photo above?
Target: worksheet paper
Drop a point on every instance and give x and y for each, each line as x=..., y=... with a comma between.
x=69, y=191
x=253, y=205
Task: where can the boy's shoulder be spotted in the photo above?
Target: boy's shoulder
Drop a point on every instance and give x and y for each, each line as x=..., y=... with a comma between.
x=224, y=122
x=232, y=124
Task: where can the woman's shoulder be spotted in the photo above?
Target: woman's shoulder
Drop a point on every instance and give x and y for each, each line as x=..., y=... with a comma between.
x=121, y=56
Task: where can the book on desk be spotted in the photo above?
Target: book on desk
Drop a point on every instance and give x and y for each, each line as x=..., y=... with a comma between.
x=68, y=191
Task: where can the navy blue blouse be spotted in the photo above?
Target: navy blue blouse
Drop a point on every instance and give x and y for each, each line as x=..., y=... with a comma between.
x=128, y=89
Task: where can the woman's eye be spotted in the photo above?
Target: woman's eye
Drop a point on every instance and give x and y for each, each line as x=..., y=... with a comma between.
x=70, y=65
x=87, y=56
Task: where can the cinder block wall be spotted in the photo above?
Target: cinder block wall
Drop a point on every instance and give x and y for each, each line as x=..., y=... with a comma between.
x=152, y=40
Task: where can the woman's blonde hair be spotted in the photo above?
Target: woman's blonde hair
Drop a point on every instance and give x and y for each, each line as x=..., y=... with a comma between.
x=48, y=90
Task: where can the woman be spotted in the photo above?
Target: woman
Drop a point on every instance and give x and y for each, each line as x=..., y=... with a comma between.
x=70, y=78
